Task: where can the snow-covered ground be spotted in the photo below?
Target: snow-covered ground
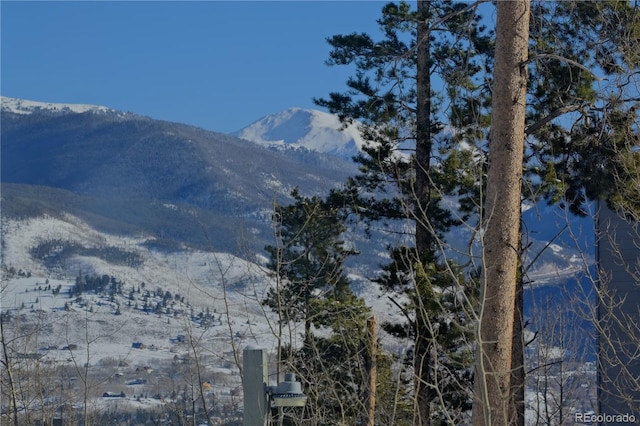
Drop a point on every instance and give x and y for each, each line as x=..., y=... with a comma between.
x=124, y=348
x=110, y=338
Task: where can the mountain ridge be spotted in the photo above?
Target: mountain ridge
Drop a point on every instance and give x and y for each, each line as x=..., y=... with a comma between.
x=147, y=163
x=185, y=184
x=27, y=107
x=194, y=209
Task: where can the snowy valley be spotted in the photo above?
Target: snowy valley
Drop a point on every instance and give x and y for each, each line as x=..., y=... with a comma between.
x=137, y=286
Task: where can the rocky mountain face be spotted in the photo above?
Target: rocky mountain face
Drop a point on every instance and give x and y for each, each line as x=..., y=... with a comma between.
x=307, y=129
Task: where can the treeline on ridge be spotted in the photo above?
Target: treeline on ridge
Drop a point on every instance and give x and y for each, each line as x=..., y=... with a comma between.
x=55, y=252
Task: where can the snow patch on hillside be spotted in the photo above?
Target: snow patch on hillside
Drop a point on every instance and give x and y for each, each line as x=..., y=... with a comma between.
x=194, y=273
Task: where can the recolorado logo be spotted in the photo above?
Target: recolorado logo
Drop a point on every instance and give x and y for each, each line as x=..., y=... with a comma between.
x=604, y=418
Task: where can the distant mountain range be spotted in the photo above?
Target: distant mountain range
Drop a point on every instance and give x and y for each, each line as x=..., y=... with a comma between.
x=124, y=173
x=26, y=107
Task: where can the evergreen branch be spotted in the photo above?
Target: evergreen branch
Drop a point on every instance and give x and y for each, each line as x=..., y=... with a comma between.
x=434, y=26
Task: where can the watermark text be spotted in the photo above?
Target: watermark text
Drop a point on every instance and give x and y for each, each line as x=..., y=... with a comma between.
x=591, y=417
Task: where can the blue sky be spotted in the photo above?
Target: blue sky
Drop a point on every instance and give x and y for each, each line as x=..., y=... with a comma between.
x=217, y=65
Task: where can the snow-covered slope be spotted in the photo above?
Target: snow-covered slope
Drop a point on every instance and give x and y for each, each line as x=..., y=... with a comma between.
x=124, y=348
x=190, y=272
x=26, y=107
x=311, y=129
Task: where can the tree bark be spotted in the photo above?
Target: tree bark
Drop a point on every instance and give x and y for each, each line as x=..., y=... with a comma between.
x=501, y=216
x=424, y=238
x=371, y=368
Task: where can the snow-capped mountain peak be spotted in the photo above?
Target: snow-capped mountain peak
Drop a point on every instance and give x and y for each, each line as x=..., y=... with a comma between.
x=307, y=128
x=26, y=107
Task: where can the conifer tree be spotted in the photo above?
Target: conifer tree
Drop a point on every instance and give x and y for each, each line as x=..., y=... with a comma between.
x=583, y=104
x=312, y=288
x=309, y=259
x=582, y=112
x=410, y=165
x=582, y=134
x=501, y=217
x=581, y=119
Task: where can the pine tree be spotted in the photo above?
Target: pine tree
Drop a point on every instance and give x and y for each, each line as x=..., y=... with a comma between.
x=581, y=128
x=581, y=138
x=312, y=288
x=309, y=260
x=410, y=165
x=583, y=112
x=582, y=115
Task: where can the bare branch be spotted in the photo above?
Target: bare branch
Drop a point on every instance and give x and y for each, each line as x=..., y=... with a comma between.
x=553, y=115
x=561, y=59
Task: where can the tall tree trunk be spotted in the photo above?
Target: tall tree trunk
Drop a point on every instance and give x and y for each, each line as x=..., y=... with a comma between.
x=424, y=238
x=501, y=216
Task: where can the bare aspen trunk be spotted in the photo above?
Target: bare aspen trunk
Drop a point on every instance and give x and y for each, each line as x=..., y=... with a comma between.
x=501, y=216
x=371, y=368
